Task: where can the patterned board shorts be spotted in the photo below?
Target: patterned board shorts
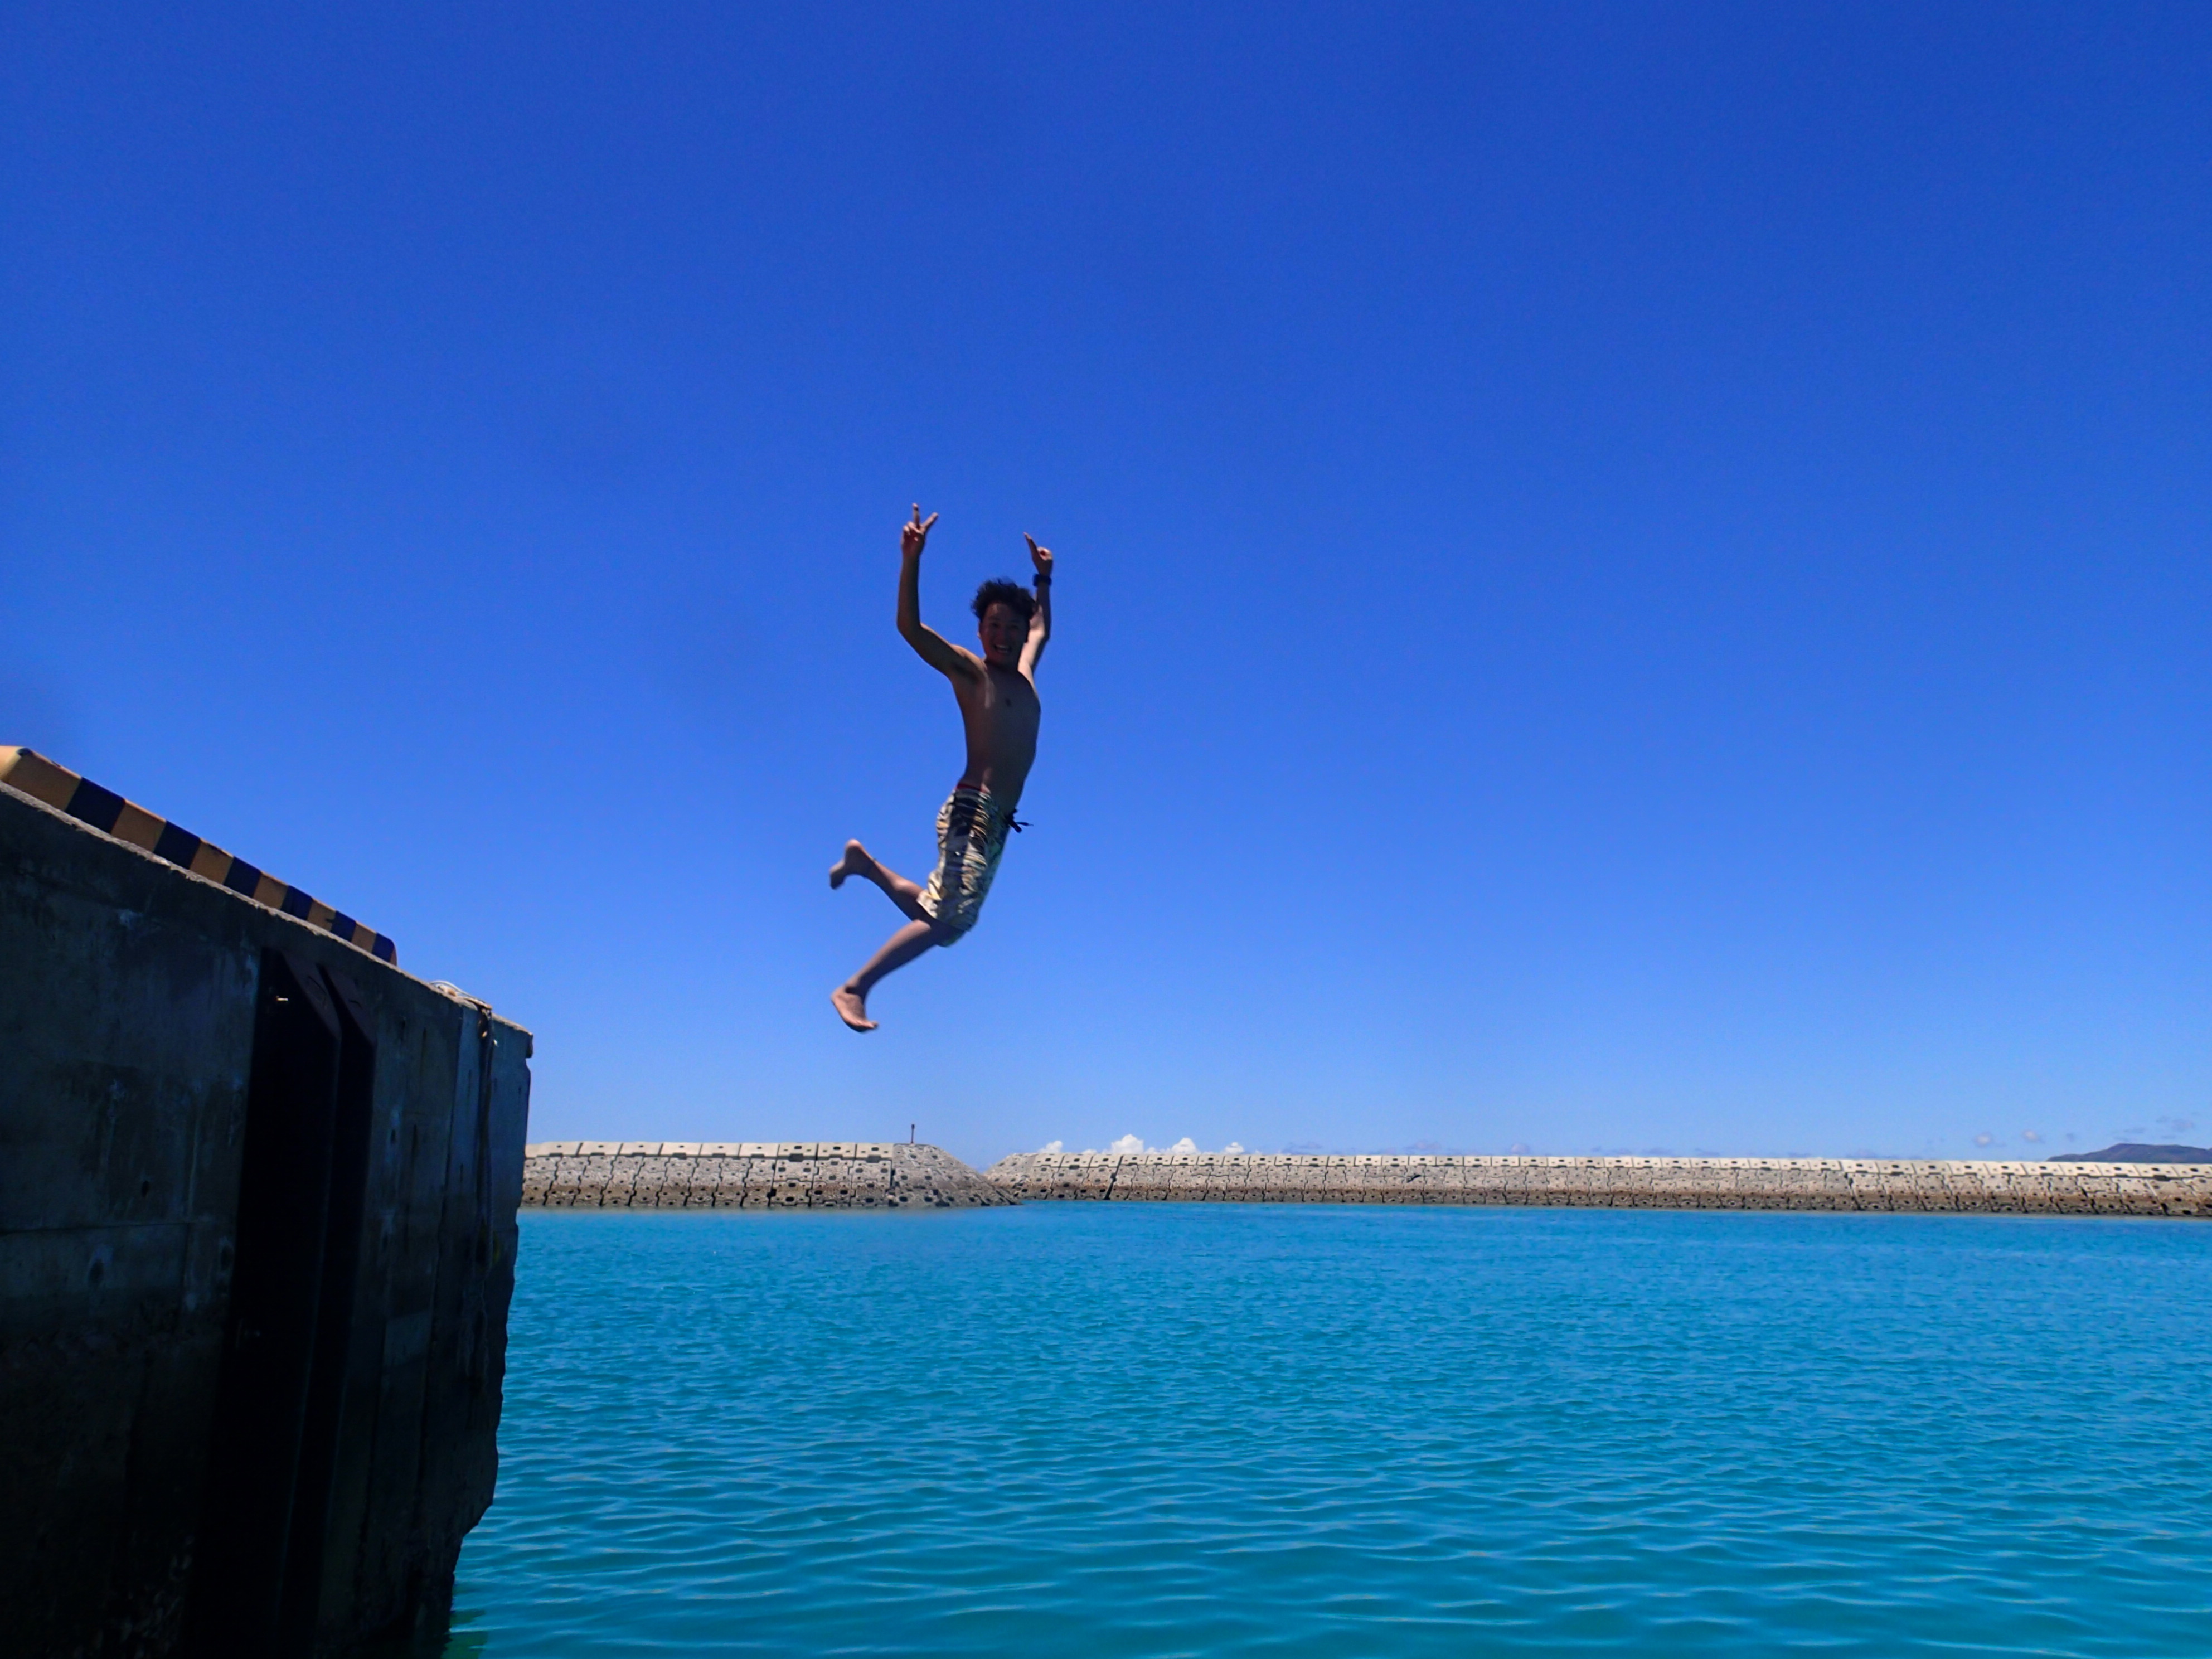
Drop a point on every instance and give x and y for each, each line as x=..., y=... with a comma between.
x=971, y=833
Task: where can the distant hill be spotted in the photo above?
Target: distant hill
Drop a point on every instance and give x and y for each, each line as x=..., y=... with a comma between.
x=2129, y=1151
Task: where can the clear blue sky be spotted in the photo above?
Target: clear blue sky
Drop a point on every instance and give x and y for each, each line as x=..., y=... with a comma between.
x=1633, y=577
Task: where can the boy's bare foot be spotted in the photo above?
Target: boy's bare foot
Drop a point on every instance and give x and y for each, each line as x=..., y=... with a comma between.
x=856, y=862
x=852, y=1008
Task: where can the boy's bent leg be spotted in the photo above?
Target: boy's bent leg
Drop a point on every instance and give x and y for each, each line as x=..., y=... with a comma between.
x=851, y=998
x=859, y=861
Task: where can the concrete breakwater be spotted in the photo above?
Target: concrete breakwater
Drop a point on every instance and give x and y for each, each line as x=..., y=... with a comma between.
x=1668, y=1183
x=729, y=1175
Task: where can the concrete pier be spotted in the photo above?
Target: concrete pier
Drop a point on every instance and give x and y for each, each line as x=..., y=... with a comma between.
x=257, y=1243
x=728, y=1175
x=1669, y=1183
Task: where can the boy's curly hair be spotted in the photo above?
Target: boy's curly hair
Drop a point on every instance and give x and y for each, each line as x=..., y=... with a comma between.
x=1002, y=590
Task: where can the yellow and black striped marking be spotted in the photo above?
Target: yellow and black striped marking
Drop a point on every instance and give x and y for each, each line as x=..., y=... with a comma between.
x=109, y=813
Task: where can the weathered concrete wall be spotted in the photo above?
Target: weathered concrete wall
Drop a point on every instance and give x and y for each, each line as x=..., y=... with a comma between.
x=133, y=996
x=1674, y=1184
x=847, y=1175
x=798, y=1175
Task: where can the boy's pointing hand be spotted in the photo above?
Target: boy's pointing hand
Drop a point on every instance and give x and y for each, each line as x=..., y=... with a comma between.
x=913, y=535
x=1041, y=557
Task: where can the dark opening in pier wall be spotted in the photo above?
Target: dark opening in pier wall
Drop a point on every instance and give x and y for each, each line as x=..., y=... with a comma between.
x=257, y=1243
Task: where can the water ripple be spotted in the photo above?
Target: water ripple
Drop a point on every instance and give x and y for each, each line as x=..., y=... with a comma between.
x=1238, y=1429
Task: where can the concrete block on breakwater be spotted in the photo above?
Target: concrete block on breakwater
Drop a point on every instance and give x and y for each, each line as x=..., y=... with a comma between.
x=728, y=1175
x=1669, y=1183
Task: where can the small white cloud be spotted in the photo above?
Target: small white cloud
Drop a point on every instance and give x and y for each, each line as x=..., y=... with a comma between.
x=1127, y=1144
x=1985, y=1140
x=2029, y=1135
x=1051, y=1147
x=1234, y=1146
x=1186, y=1145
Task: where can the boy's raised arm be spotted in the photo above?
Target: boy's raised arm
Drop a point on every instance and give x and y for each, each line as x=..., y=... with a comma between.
x=1041, y=619
x=934, y=647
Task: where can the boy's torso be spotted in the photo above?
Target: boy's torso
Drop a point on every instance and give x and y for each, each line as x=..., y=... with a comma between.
x=1000, y=710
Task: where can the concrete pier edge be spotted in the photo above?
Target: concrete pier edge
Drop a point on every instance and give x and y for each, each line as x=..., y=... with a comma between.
x=256, y=1244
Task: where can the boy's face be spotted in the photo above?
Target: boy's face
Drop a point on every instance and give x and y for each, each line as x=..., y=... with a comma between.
x=1004, y=634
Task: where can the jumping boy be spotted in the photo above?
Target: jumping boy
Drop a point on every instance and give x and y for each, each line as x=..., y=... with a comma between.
x=998, y=707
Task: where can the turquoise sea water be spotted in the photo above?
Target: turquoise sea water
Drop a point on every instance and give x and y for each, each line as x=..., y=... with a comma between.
x=1199, y=1429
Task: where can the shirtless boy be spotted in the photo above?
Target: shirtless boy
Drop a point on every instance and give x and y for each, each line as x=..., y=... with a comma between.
x=998, y=707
